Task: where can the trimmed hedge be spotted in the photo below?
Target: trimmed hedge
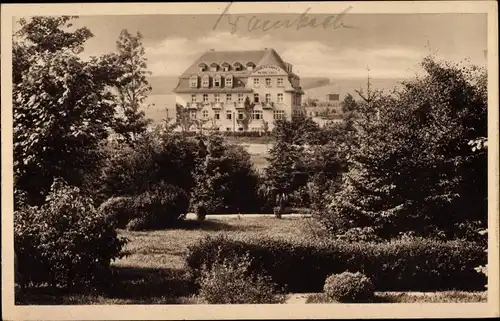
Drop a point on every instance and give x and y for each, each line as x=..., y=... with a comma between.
x=303, y=265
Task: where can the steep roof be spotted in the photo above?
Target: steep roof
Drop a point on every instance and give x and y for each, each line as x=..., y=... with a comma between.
x=258, y=57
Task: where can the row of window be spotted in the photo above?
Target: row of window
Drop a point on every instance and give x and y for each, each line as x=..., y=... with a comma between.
x=228, y=80
x=226, y=67
x=256, y=114
x=268, y=82
x=217, y=81
x=241, y=98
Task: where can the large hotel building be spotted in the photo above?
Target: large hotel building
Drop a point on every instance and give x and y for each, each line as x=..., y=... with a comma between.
x=215, y=86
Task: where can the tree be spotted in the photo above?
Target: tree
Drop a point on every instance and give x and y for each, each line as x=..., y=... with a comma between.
x=247, y=111
x=62, y=107
x=132, y=86
x=411, y=168
x=183, y=118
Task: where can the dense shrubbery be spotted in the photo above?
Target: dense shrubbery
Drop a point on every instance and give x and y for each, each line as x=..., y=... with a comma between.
x=225, y=180
x=411, y=166
x=349, y=287
x=65, y=242
x=229, y=281
x=408, y=264
x=159, y=156
x=159, y=207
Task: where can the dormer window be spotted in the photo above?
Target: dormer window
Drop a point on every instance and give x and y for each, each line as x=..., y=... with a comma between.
x=237, y=66
x=229, y=81
x=250, y=65
x=193, y=82
x=202, y=67
x=214, y=67
x=225, y=67
x=217, y=81
x=205, y=82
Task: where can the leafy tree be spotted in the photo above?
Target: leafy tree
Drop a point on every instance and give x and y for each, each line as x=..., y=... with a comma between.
x=411, y=168
x=183, y=118
x=247, y=113
x=132, y=86
x=62, y=107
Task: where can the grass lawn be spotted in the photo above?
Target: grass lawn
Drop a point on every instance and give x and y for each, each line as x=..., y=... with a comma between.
x=413, y=297
x=154, y=270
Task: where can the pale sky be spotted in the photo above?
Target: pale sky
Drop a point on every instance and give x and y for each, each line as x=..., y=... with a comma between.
x=391, y=45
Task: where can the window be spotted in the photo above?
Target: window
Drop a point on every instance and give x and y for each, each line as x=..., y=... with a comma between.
x=229, y=98
x=205, y=81
x=268, y=82
x=192, y=115
x=240, y=98
x=240, y=129
x=279, y=114
x=257, y=114
x=228, y=129
x=280, y=82
x=217, y=114
x=256, y=82
x=194, y=82
x=214, y=67
x=229, y=81
x=268, y=98
x=280, y=98
x=205, y=98
x=205, y=114
x=217, y=81
x=225, y=68
x=217, y=98
x=256, y=98
x=193, y=98
x=241, y=115
x=229, y=114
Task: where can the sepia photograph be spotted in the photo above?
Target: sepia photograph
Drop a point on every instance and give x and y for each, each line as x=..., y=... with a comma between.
x=226, y=155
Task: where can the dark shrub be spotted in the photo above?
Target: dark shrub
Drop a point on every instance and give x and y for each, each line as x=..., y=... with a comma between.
x=118, y=209
x=138, y=224
x=158, y=157
x=64, y=243
x=159, y=207
x=410, y=264
x=229, y=281
x=349, y=287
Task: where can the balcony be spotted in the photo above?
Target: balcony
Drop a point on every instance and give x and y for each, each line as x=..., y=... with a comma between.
x=267, y=105
x=193, y=105
x=239, y=105
x=217, y=105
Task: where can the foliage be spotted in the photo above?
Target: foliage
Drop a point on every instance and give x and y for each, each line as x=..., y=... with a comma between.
x=61, y=105
x=349, y=287
x=183, y=118
x=225, y=180
x=118, y=209
x=132, y=86
x=247, y=114
x=64, y=243
x=410, y=165
x=229, y=281
x=158, y=156
x=407, y=264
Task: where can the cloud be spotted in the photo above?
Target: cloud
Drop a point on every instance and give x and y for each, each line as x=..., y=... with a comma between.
x=173, y=55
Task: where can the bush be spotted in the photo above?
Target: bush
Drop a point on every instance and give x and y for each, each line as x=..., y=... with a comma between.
x=158, y=208
x=64, y=243
x=118, y=209
x=408, y=264
x=349, y=287
x=228, y=281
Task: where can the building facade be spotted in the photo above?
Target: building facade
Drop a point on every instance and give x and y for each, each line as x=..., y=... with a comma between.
x=213, y=91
